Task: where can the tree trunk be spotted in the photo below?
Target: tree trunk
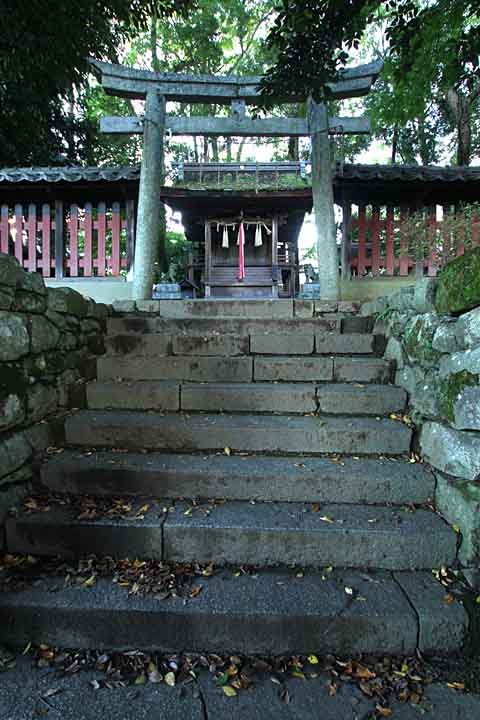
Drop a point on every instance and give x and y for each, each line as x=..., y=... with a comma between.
x=214, y=145
x=240, y=150
x=394, y=146
x=459, y=107
x=323, y=208
x=148, y=218
x=229, y=149
x=293, y=148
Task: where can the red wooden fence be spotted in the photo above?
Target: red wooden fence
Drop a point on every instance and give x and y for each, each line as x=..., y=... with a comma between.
x=379, y=243
x=69, y=240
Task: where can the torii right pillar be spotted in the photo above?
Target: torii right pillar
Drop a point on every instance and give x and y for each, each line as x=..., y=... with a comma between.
x=323, y=202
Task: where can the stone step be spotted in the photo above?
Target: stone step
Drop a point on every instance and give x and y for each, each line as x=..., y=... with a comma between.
x=285, y=479
x=162, y=395
x=264, y=368
x=268, y=613
x=234, y=308
x=244, y=433
x=267, y=534
x=239, y=532
x=144, y=324
x=228, y=344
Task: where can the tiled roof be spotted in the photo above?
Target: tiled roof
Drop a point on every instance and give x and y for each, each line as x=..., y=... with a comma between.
x=68, y=174
x=408, y=173
x=348, y=172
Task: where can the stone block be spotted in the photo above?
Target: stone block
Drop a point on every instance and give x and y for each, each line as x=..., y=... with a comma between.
x=124, y=306
x=468, y=329
x=466, y=408
x=418, y=338
x=403, y=300
x=7, y=295
x=459, y=284
x=339, y=399
x=374, y=307
x=362, y=370
x=148, y=306
x=44, y=335
x=138, y=344
x=186, y=368
x=15, y=451
x=303, y=308
x=41, y=401
x=468, y=360
x=347, y=306
x=10, y=270
x=29, y=302
x=344, y=344
x=249, y=397
x=14, y=336
x=325, y=306
x=445, y=337
x=251, y=309
x=211, y=344
x=278, y=344
x=424, y=295
x=394, y=351
x=459, y=503
x=298, y=369
x=31, y=282
x=12, y=410
x=455, y=452
x=66, y=300
x=44, y=434
x=141, y=395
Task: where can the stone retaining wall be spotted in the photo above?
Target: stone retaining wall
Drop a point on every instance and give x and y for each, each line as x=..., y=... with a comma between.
x=48, y=342
x=438, y=362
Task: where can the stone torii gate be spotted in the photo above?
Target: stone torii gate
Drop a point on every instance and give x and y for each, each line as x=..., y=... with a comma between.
x=158, y=88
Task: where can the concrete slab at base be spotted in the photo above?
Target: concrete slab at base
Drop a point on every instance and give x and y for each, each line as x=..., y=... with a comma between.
x=249, y=309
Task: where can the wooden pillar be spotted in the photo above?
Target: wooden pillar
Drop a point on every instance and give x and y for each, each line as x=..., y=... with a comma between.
x=323, y=210
x=59, y=240
x=275, y=256
x=148, y=217
x=346, y=214
x=208, y=257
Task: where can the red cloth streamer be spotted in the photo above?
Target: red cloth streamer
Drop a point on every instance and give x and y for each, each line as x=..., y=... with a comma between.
x=241, y=256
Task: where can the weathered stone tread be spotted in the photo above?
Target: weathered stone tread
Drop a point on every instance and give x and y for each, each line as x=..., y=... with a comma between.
x=287, y=479
x=250, y=433
x=271, y=612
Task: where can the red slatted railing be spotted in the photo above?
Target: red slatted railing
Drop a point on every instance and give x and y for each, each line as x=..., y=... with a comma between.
x=379, y=240
x=97, y=237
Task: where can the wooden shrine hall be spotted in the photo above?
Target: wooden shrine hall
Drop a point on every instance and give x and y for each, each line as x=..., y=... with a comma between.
x=243, y=221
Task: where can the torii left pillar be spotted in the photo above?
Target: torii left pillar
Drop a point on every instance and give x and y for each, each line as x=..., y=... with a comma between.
x=323, y=202
x=151, y=180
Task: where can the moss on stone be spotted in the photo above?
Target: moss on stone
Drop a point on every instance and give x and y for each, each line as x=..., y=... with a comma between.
x=458, y=287
x=451, y=387
x=418, y=340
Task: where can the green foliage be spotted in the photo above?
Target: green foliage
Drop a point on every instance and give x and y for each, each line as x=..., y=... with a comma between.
x=177, y=253
x=431, y=82
x=44, y=46
x=230, y=181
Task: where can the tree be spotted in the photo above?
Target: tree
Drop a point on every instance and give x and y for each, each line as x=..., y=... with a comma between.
x=44, y=45
x=431, y=80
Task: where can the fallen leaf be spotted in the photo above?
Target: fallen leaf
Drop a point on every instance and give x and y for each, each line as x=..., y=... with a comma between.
x=384, y=711
x=90, y=582
x=456, y=528
x=448, y=599
x=325, y=518
x=170, y=679
x=196, y=591
x=227, y=451
x=456, y=685
x=349, y=590
x=229, y=691
x=51, y=691
x=313, y=659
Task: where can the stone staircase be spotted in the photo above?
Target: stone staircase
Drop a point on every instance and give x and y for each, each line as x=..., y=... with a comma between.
x=255, y=437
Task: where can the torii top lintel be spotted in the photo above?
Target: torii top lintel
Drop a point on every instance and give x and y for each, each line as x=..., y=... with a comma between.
x=133, y=83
